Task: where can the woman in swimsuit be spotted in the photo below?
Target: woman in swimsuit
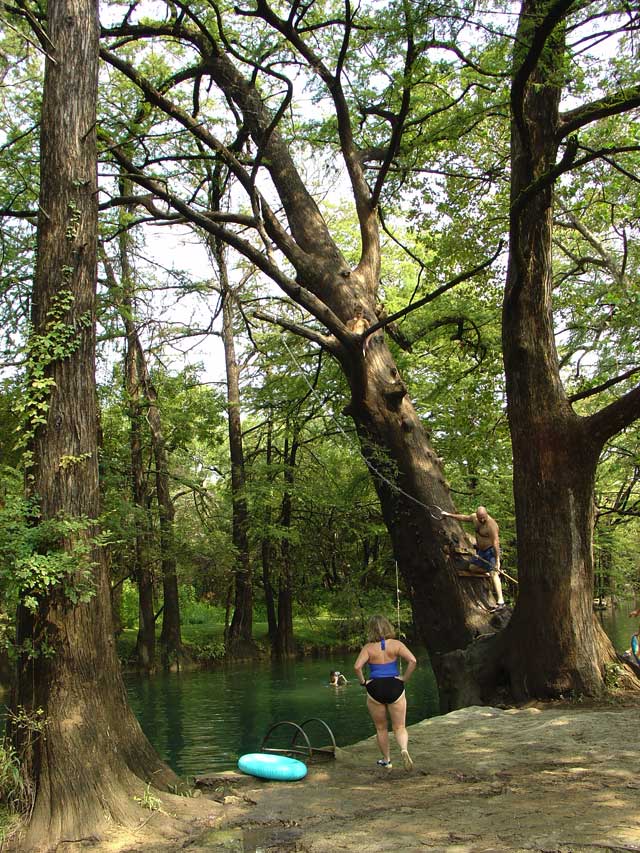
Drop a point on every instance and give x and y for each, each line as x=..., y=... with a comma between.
x=385, y=686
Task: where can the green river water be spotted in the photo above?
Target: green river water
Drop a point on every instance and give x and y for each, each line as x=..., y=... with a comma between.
x=202, y=721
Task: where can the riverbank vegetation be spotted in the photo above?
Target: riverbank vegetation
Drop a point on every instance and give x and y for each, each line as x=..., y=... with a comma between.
x=410, y=234
x=316, y=634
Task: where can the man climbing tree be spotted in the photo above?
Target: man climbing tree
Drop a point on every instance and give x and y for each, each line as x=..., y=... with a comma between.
x=487, y=557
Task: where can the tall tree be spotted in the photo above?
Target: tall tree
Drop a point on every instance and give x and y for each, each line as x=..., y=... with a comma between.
x=134, y=366
x=91, y=756
x=172, y=650
x=285, y=644
x=553, y=643
x=407, y=472
x=239, y=636
x=267, y=547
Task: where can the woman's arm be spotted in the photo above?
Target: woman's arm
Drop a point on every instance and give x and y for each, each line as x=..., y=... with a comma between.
x=410, y=659
x=361, y=660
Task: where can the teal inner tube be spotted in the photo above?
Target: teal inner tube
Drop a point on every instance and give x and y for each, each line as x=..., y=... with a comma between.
x=635, y=647
x=277, y=767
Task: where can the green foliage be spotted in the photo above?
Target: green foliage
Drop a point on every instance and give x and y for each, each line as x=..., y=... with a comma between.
x=126, y=646
x=208, y=652
x=38, y=557
x=194, y=611
x=59, y=555
x=57, y=341
x=129, y=607
x=191, y=418
x=149, y=800
x=12, y=787
x=16, y=792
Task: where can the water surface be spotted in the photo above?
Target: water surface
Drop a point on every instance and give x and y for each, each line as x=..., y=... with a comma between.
x=202, y=721
x=618, y=625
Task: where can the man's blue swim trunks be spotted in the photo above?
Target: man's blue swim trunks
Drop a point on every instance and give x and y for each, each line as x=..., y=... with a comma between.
x=485, y=557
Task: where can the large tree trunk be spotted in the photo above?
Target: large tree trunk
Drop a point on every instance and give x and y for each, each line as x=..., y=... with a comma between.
x=173, y=653
x=554, y=643
x=285, y=645
x=85, y=767
x=409, y=478
x=146, y=639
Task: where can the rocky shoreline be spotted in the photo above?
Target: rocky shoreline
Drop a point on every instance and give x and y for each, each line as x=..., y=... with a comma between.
x=555, y=778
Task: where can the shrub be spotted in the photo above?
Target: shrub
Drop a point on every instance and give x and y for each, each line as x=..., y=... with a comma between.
x=209, y=652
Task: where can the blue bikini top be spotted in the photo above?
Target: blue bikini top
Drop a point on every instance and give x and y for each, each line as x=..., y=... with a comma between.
x=384, y=670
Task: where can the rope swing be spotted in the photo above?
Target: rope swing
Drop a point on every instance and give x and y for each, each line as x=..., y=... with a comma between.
x=398, y=608
x=434, y=511
x=398, y=598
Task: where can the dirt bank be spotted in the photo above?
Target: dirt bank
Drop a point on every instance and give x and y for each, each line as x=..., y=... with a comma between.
x=558, y=779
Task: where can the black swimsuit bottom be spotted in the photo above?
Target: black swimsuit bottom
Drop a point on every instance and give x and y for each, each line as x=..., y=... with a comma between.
x=385, y=690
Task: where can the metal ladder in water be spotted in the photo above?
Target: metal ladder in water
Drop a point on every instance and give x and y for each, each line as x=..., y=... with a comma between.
x=296, y=747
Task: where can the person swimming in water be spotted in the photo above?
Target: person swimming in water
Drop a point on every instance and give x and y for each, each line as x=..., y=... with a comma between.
x=337, y=679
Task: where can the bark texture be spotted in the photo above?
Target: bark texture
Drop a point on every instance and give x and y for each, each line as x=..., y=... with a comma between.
x=554, y=644
x=86, y=765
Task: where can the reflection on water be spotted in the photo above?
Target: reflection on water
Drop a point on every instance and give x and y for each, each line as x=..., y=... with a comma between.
x=201, y=722
x=618, y=625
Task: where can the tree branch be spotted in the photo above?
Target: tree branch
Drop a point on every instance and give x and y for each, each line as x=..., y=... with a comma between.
x=285, y=243
x=610, y=105
x=298, y=293
x=327, y=342
x=399, y=121
x=465, y=276
x=607, y=259
x=597, y=389
x=616, y=416
x=47, y=46
x=147, y=201
x=370, y=256
x=548, y=178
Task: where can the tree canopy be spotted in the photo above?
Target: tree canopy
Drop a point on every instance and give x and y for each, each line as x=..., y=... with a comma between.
x=418, y=230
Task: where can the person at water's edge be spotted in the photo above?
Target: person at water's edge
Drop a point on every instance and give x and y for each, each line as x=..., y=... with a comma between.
x=385, y=686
